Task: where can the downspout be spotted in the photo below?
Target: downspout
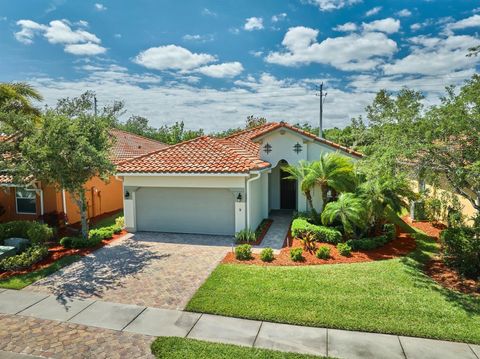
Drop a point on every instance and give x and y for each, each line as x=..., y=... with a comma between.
x=250, y=180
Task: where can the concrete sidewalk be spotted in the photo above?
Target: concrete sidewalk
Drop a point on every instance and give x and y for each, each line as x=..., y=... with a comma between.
x=165, y=322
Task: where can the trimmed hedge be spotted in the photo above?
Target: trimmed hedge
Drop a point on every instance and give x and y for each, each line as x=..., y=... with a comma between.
x=24, y=260
x=461, y=249
x=300, y=227
x=36, y=232
x=368, y=243
x=77, y=242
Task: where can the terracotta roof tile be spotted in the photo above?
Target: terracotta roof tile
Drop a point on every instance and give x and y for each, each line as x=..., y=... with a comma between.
x=129, y=145
x=238, y=153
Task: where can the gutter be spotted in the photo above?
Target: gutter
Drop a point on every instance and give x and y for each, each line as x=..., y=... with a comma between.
x=249, y=181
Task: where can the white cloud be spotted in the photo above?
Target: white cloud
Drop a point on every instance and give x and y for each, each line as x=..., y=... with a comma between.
x=253, y=23
x=351, y=52
x=416, y=26
x=208, y=12
x=279, y=17
x=472, y=21
x=329, y=5
x=347, y=27
x=435, y=56
x=172, y=57
x=76, y=42
x=256, y=53
x=225, y=70
x=234, y=31
x=373, y=11
x=404, y=13
x=28, y=31
x=388, y=25
x=198, y=38
x=88, y=49
x=100, y=7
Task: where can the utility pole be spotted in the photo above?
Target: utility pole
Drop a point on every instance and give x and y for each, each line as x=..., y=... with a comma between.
x=95, y=105
x=322, y=97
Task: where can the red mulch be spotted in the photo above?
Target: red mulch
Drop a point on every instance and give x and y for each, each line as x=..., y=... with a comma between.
x=400, y=246
x=259, y=240
x=437, y=269
x=57, y=252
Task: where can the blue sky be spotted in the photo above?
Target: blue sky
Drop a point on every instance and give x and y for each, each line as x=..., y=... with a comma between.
x=212, y=63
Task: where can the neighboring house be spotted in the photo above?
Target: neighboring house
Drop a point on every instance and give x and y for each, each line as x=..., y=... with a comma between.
x=36, y=200
x=220, y=186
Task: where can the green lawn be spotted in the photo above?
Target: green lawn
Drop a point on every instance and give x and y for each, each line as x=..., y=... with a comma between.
x=22, y=280
x=107, y=221
x=181, y=348
x=391, y=296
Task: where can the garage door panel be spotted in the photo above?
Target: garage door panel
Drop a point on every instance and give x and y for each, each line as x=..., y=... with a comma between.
x=185, y=210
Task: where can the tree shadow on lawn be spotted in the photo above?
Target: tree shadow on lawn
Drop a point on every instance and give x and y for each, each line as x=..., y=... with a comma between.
x=427, y=247
x=101, y=271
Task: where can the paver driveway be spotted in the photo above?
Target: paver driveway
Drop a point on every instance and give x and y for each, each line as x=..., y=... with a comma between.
x=149, y=269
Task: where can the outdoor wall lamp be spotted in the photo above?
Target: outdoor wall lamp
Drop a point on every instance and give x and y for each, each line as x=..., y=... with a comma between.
x=239, y=197
x=127, y=194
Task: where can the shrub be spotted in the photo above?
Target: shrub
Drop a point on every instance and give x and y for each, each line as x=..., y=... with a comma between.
x=344, y=249
x=308, y=241
x=35, y=231
x=266, y=255
x=117, y=229
x=24, y=260
x=300, y=227
x=246, y=235
x=390, y=231
x=368, y=243
x=296, y=254
x=461, y=249
x=120, y=222
x=243, y=252
x=101, y=233
x=77, y=242
x=323, y=252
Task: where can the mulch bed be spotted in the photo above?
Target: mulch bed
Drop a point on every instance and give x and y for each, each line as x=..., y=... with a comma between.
x=56, y=252
x=400, y=246
x=268, y=223
x=437, y=269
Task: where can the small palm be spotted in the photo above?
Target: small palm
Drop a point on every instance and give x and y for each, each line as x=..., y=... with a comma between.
x=349, y=210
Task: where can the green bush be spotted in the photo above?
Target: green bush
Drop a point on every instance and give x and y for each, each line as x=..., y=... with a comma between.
x=323, y=252
x=344, y=249
x=368, y=243
x=34, y=231
x=243, y=252
x=300, y=227
x=296, y=254
x=24, y=260
x=77, y=242
x=120, y=222
x=246, y=235
x=101, y=233
x=461, y=249
x=117, y=229
x=390, y=231
x=266, y=255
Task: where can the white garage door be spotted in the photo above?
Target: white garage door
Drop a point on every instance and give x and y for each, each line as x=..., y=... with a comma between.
x=185, y=210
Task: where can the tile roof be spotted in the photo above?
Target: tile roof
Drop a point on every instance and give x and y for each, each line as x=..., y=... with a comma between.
x=129, y=145
x=237, y=153
x=5, y=179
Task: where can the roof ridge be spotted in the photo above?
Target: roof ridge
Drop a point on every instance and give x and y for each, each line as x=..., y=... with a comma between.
x=251, y=129
x=140, y=136
x=162, y=149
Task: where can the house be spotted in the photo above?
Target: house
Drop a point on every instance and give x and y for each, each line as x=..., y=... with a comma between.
x=219, y=186
x=37, y=200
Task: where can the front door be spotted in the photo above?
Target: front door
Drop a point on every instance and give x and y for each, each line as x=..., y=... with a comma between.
x=288, y=192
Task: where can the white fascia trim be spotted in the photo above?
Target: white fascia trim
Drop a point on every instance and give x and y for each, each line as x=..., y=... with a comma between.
x=159, y=174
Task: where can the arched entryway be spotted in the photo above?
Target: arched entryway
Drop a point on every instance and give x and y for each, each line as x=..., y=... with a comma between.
x=288, y=189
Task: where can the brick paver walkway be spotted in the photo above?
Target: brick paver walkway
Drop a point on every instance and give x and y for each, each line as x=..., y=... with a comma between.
x=51, y=339
x=149, y=269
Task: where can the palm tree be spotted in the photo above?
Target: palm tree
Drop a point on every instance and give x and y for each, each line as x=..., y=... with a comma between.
x=18, y=96
x=381, y=194
x=349, y=210
x=301, y=173
x=333, y=172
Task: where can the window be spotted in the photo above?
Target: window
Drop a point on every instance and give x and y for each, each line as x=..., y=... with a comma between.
x=26, y=201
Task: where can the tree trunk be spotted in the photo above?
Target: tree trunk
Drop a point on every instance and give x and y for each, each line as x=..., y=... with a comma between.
x=324, y=196
x=82, y=206
x=308, y=195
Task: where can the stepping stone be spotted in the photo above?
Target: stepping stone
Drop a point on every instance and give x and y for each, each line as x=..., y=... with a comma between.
x=225, y=330
x=359, y=345
x=107, y=315
x=292, y=338
x=14, y=301
x=56, y=309
x=434, y=349
x=163, y=323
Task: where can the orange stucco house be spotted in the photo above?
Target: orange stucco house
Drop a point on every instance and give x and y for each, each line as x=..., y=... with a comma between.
x=37, y=201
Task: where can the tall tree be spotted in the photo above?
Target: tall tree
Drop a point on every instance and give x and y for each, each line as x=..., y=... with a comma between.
x=18, y=97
